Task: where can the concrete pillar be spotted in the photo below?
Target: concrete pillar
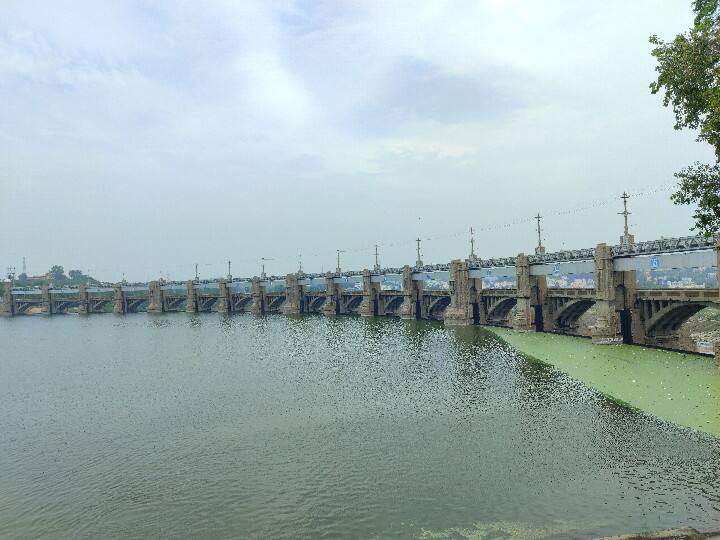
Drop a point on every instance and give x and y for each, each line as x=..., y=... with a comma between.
x=7, y=308
x=224, y=304
x=332, y=296
x=258, y=295
x=371, y=305
x=411, y=307
x=632, y=324
x=481, y=308
x=119, y=305
x=531, y=297
x=83, y=300
x=463, y=295
x=524, y=318
x=156, y=304
x=538, y=299
x=607, y=328
x=293, y=296
x=191, y=304
x=47, y=305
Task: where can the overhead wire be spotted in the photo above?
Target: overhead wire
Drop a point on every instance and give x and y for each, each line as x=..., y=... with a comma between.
x=596, y=203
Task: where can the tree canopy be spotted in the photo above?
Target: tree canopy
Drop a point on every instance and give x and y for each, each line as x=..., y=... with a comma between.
x=56, y=277
x=688, y=70
x=57, y=274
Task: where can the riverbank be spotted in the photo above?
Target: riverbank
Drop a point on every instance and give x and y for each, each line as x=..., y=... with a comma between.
x=678, y=387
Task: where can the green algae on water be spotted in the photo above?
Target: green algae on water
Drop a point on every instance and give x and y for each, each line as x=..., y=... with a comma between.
x=682, y=388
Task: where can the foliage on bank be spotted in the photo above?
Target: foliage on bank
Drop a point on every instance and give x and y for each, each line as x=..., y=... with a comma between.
x=688, y=70
x=56, y=277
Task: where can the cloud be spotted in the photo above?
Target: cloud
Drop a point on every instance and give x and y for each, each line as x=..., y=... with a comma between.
x=326, y=112
x=271, y=90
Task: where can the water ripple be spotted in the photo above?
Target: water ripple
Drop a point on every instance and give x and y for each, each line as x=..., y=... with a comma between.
x=306, y=427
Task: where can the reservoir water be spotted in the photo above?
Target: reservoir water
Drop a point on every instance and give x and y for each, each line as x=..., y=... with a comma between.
x=203, y=426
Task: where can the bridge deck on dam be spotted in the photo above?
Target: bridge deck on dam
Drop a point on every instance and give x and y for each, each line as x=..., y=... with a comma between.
x=546, y=292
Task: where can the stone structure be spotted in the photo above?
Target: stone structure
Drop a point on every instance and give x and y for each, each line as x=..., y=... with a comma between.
x=223, y=300
x=7, y=308
x=119, y=300
x=464, y=299
x=294, y=296
x=332, y=304
x=47, y=305
x=157, y=304
x=84, y=306
x=624, y=312
x=524, y=318
x=607, y=329
x=258, y=296
x=371, y=306
x=191, y=303
x=411, y=307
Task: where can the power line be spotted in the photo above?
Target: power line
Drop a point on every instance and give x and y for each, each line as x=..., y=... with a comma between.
x=592, y=205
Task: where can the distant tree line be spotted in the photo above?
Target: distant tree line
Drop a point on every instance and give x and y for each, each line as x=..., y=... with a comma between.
x=56, y=277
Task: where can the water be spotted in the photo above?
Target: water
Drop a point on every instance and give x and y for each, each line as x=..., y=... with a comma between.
x=679, y=387
x=194, y=426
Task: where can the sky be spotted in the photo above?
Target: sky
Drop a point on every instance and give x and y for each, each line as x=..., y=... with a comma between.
x=140, y=138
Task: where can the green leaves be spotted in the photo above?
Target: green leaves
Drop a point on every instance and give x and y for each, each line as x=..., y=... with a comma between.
x=704, y=9
x=688, y=70
x=700, y=183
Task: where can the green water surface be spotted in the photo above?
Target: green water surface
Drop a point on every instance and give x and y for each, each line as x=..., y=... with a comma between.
x=678, y=387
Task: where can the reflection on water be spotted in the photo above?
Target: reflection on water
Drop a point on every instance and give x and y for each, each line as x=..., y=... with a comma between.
x=300, y=427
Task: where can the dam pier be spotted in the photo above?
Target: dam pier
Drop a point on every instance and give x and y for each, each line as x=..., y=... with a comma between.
x=515, y=292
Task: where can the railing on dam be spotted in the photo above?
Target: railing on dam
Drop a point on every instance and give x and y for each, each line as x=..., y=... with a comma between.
x=542, y=291
x=571, y=268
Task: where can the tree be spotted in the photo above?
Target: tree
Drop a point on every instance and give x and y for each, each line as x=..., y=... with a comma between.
x=57, y=274
x=688, y=70
x=75, y=275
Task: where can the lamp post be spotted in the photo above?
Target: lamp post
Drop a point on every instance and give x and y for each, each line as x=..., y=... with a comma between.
x=262, y=260
x=338, y=270
x=540, y=248
x=626, y=239
x=472, y=257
